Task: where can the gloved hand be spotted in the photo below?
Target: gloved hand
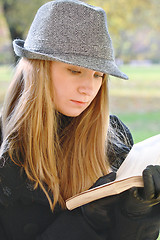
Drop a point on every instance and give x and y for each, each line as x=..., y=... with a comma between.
x=137, y=212
x=104, y=213
x=98, y=213
x=138, y=201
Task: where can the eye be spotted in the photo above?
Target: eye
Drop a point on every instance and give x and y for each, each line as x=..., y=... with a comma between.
x=96, y=75
x=73, y=71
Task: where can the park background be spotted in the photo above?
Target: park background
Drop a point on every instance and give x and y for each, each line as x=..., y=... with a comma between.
x=135, y=30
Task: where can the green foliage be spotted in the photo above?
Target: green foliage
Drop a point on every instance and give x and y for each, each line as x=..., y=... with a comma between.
x=134, y=27
x=4, y=33
x=123, y=14
x=20, y=13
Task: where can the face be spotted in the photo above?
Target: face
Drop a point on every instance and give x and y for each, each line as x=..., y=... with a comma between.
x=74, y=88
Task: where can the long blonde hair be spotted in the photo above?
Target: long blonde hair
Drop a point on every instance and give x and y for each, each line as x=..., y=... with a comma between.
x=67, y=162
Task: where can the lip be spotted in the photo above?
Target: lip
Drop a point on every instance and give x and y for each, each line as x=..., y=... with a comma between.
x=80, y=103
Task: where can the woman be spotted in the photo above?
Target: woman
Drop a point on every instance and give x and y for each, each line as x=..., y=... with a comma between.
x=55, y=121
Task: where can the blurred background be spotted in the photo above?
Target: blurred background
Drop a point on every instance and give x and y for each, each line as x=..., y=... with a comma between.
x=135, y=30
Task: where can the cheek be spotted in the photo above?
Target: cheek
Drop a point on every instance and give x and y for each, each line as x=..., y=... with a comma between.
x=57, y=86
x=98, y=86
x=61, y=93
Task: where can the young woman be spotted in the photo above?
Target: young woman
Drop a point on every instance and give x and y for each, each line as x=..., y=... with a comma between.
x=57, y=137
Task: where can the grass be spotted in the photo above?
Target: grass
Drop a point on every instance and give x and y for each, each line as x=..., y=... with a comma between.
x=143, y=73
x=136, y=101
x=144, y=81
x=5, y=73
x=142, y=125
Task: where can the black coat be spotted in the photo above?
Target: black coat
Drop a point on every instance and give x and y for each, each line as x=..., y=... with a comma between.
x=25, y=213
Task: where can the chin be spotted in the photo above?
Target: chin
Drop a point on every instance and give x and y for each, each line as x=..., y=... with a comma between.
x=71, y=114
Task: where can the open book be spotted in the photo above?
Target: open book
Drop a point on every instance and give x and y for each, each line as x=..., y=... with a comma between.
x=129, y=174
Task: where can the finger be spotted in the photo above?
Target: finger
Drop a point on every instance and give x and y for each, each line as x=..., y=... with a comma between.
x=149, y=188
x=156, y=178
x=134, y=192
x=105, y=179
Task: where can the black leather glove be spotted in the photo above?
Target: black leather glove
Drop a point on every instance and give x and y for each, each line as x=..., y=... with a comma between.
x=98, y=213
x=131, y=214
x=138, y=201
x=137, y=213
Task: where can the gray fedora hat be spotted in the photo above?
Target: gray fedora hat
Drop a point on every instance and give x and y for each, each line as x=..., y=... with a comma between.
x=73, y=32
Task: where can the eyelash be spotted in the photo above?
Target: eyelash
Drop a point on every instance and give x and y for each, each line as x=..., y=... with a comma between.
x=77, y=72
x=74, y=71
x=98, y=76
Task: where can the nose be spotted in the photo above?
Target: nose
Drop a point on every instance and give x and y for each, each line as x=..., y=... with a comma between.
x=86, y=86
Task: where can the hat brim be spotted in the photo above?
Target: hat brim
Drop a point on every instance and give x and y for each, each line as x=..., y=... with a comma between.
x=96, y=64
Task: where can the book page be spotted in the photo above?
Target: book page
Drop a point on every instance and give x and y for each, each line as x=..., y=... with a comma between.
x=141, y=155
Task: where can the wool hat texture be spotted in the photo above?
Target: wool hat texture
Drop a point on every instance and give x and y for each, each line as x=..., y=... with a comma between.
x=72, y=32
